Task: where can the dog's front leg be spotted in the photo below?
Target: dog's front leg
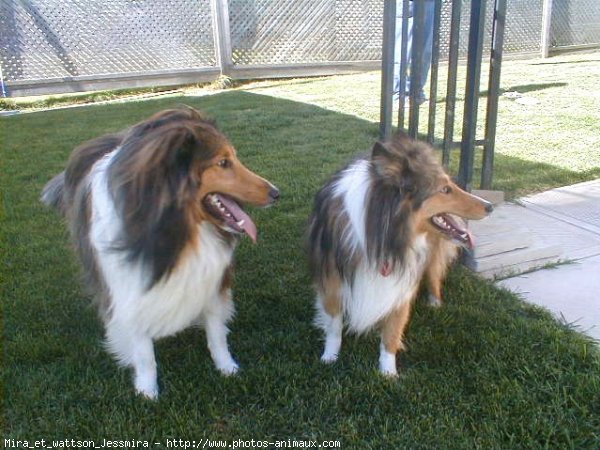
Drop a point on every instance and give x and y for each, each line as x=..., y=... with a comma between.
x=443, y=253
x=329, y=317
x=144, y=365
x=332, y=325
x=392, y=335
x=136, y=350
x=215, y=321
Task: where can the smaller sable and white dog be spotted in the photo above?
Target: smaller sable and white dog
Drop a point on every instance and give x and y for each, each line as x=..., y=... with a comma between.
x=378, y=228
x=154, y=213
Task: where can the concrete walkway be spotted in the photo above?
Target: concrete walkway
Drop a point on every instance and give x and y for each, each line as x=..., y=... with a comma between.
x=557, y=226
x=571, y=292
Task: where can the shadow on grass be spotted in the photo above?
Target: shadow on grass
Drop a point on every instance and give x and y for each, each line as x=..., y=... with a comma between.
x=523, y=88
x=486, y=370
x=556, y=63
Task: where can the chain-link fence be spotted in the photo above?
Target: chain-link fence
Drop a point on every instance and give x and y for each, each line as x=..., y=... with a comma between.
x=266, y=32
x=44, y=39
x=64, y=45
x=575, y=23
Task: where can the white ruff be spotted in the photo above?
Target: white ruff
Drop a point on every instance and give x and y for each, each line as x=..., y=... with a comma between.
x=373, y=296
x=188, y=296
x=353, y=187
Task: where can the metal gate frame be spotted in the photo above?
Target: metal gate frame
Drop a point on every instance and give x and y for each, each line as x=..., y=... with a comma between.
x=475, y=58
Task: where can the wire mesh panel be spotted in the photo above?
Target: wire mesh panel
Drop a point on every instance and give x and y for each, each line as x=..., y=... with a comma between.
x=446, y=18
x=271, y=32
x=44, y=39
x=523, y=26
x=63, y=40
x=307, y=31
x=575, y=23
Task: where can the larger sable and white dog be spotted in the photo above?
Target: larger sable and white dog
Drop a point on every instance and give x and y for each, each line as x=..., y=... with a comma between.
x=154, y=213
x=378, y=227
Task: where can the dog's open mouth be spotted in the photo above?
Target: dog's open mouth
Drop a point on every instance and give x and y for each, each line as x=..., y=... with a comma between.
x=455, y=231
x=230, y=214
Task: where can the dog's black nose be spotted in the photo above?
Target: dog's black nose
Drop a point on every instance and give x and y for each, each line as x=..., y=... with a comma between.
x=489, y=208
x=274, y=193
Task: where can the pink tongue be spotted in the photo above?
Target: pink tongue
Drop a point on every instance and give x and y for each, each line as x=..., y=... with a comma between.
x=470, y=239
x=461, y=230
x=249, y=227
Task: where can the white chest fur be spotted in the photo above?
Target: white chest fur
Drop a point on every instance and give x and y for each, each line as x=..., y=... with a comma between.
x=372, y=296
x=178, y=301
x=173, y=303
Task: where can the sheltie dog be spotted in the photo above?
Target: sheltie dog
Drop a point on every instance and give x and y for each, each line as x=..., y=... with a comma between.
x=378, y=227
x=154, y=213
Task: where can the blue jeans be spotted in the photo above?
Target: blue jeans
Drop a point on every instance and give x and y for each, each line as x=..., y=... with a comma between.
x=427, y=49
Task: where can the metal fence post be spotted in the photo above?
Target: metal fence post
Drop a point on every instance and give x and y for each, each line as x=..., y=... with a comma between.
x=403, y=64
x=469, y=130
x=546, y=27
x=451, y=84
x=416, y=56
x=499, y=22
x=435, y=59
x=222, y=35
x=387, y=69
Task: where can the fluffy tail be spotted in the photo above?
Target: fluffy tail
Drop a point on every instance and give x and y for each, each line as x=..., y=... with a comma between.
x=54, y=192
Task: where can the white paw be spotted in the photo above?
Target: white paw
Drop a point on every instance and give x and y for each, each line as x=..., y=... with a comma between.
x=388, y=372
x=387, y=363
x=148, y=390
x=433, y=301
x=333, y=343
x=228, y=368
x=329, y=358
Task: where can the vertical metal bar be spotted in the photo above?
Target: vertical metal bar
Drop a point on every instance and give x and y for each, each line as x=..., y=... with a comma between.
x=403, y=64
x=2, y=87
x=387, y=69
x=222, y=35
x=418, y=40
x=546, y=27
x=467, y=149
x=451, y=85
x=435, y=59
x=493, y=93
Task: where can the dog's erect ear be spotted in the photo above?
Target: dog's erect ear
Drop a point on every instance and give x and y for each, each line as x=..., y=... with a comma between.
x=400, y=143
x=380, y=151
x=386, y=163
x=392, y=165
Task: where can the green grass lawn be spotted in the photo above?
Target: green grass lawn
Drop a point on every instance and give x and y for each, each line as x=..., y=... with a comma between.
x=486, y=371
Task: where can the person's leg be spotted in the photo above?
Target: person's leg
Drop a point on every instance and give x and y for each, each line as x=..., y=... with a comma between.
x=398, y=47
x=428, y=47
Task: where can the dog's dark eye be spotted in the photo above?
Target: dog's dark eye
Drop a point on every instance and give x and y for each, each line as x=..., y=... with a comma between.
x=224, y=163
x=446, y=190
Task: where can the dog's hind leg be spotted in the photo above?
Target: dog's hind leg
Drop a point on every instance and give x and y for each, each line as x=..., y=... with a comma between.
x=215, y=322
x=392, y=335
x=329, y=318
